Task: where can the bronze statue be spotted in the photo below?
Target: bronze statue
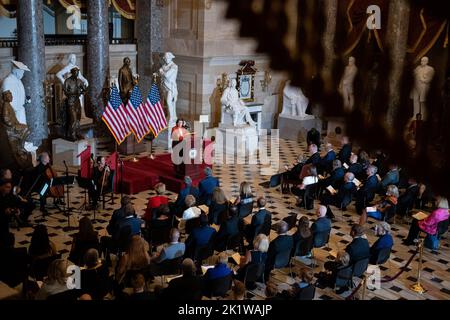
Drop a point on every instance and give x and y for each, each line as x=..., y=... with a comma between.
x=73, y=89
x=16, y=132
x=126, y=80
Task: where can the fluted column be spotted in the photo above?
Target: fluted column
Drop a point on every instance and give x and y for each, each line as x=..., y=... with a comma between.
x=397, y=38
x=31, y=51
x=330, y=13
x=144, y=43
x=97, y=53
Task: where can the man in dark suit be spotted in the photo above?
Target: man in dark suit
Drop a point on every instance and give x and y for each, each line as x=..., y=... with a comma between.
x=359, y=248
x=343, y=197
x=327, y=161
x=355, y=167
x=346, y=150
x=258, y=220
x=314, y=159
x=336, y=176
x=118, y=214
x=367, y=191
x=206, y=187
x=313, y=137
x=200, y=236
x=282, y=243
x=406, y=200
x=189, y=287
x=189, y=189
x=391, y=177
x=321, y=225
x=129, y=221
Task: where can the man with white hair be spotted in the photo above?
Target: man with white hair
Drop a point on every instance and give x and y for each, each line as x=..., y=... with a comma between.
x=323, y=223
x=384, y=241
x=343, y=197
x=367, y=191
x=327, y=160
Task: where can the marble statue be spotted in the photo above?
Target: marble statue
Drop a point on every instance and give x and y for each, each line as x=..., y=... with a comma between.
x=126, y=80
x=232, y=104
x=294, y=102
x=346, y=85
x=168, y=73
x=13, y=83
x=16, y=132
x=423, y=75
x=73, y=89
x=64, y=73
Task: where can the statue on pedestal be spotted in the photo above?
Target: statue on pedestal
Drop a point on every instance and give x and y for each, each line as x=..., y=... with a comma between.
x=294, y=102
x=423, y=75
x=126, y=80
x=346, y=85
x=168, y=73
x=232, y=104
x=16, y=132
x=73, y=89
x=13, y=83
x=65, y=73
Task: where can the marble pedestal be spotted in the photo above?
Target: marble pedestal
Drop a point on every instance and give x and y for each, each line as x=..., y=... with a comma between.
x=335, y=130
x=239, y=141
x=68, y=151
x=296, y=128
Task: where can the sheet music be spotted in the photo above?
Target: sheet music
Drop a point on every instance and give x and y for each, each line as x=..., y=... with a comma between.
x=420, y=215
x=205, y=268
x=345, y=165
x=331, y=189
x=357, y=182
x=44, y=190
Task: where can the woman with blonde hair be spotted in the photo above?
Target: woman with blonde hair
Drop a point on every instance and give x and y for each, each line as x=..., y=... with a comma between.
x=218, y=207
x=256, y=256
x=245, y=199
x=156, y=201
x=55, y=281
x=135, y=258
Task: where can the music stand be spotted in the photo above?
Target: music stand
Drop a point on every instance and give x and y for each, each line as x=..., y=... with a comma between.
x=65, y=181
x=85, y=184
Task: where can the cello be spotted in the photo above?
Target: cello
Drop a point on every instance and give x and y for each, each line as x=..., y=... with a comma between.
x=54, y=191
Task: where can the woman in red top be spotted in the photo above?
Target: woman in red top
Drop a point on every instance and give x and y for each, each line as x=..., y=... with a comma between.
x=156, y=201
x=178, y=132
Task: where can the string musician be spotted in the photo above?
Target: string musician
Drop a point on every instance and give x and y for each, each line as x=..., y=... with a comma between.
x=100, y=180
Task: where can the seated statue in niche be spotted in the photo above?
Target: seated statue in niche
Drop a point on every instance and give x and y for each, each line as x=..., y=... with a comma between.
x=73, y=89
x=16, y=132
x=232, y=104
x=294, y=102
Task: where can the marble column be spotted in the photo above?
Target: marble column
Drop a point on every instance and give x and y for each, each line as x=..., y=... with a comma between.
x=97, y=54
x=330, y=12
x=144, y=43
x=31, y=51
x=397, y=37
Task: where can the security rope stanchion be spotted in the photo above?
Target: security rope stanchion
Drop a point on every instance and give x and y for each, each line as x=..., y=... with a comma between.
x=417, y=287
x=364, y=285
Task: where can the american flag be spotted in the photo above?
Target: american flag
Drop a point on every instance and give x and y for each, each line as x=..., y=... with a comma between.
x=115, y=117
x=153, y=108
x=137, y=116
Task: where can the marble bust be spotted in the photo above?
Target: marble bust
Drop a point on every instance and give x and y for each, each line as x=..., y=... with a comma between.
x=13, y=84
x=65, y=73
x=168, y=73
x=423, y=75
x=346, y=85
x=294, y=102
x=233, y=105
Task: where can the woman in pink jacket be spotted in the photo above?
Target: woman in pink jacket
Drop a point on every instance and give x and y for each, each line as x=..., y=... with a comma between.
x=430, y=223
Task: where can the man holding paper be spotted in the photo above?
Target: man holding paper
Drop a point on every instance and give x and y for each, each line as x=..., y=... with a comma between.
x=342, y=197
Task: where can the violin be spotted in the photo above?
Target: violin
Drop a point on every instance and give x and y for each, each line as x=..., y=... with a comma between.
x=56, y=191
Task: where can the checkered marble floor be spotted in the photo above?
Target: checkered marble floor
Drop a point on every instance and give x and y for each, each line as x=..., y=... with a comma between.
x=436, y=268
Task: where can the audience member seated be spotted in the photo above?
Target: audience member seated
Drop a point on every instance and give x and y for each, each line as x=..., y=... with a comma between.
x=343, y=197
x=95, y=279
x=257, y=255
x=130, y=222
x=380, y=162
x=14, y=263
x=162, y=219
x=238, y=291
x=220, y=270
x=359, y=248
x=336, y=176
x=313, y=137
x=407, y=198
x=314, y=158
x=391, y=177
x=85, y=239
x=384, y=241
x=118, y=214
x=56, y=280
x=367, y=191
x=293, y=173
x=173, y=249
x=200, y=236
x=156, y=201
x=326, y=162
x=228, y=229
x=190, y=213
x=321, y=225
x=206, y=187
x=309, y=179
x=135, y=258
x=41, y=247
x=189, y=287
x=188, y=189
x=364, y=160
x=283, y=243
x=328, y=278
x=346, y=150
x=303, y=238
x=245, y=199
x=385, y=209
x=218, y=207
x=355, y=167
x=304, y=281
x=429, y=225
x=139, y=292
x=257, y=220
